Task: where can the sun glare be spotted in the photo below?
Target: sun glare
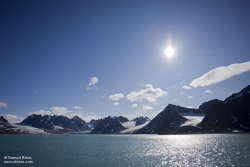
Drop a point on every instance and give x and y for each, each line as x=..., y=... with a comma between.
x=169, y=51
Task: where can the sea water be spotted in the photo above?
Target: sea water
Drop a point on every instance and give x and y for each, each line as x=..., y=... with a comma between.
x=125, y=150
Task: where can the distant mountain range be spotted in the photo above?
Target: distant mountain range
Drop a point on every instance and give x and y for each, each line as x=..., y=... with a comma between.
x=6, y=128
x=230, y=115
x=56, y=124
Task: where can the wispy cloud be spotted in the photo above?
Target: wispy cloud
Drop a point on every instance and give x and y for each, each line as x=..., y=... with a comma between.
x=77, y=107
x=116, y=103
x=173, y=86
x=150, y=94
x=208, y=91
x=135, y=105
x=187, y=87
x=182, y=83
x=13, y=118
x=3, y=105
x=190, y=97
x=220, y=74
x=116, y=97
x=147, y=108
x=92, y=82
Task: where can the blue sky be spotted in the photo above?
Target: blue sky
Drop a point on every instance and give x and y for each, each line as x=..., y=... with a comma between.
x=100, y=58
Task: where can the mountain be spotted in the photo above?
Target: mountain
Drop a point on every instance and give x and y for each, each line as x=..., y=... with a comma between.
x=56, y=124
x=203, y=108
x=123, y=119
x=93, y=123
x=230, y=115
x=140, y=120
x=108, y=125
x=166, y=121
x=80, y=124
x=6, y=128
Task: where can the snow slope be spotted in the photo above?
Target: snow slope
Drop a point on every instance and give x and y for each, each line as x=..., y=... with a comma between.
x=29, y=128
x=192, y=120
x=131, y=126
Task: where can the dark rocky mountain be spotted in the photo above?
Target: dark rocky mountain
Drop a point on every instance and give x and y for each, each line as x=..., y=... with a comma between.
x=123, y=119
x=56, y=124
x=166, y=121
x=80, y=124
x=108, y=125
x=3, y=120
x=203, y=108
x=140, y=120
x=233, y=114
x=93, y=123
x=6, y=128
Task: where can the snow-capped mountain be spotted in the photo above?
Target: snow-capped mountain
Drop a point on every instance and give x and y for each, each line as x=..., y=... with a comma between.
x=140, y=120
x=123, y=119
x=80, y=124
x=93, y=123
x=56, y=124
x=108, y=125
x=233, y=114
x=7, y=128
x=166, y=121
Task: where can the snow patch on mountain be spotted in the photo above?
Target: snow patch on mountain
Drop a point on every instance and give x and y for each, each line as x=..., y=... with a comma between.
x=131, y=127
x=192, y=120
x=29, y=128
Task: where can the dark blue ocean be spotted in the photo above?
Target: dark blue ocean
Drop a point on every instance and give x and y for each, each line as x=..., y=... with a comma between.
x=125, y=150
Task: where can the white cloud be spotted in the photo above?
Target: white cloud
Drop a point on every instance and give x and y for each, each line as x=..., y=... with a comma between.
x=63, y=111
x=92, y=82
x=208, y=91
x=89, y=117
x=186, y=87
x=13, y=118
x=54, y=111
x=190, y=97
x=220, y=74
x=135, y=105
x=147, y=108
x=77, y=107
x=38, y=112
x=182, y=93
x=103, y=97
x=174, y=100
x=116, y=97
x=3, y=105
x=190, y=107
x=116, y=103
x=151, y=99
x=150, y=94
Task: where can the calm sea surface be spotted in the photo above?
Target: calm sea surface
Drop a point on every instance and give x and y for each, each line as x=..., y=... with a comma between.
x=126, y=150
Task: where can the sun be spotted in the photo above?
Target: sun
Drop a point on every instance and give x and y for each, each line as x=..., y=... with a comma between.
x=169, y=51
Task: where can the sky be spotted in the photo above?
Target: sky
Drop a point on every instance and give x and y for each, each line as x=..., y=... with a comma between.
x=99, y=58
